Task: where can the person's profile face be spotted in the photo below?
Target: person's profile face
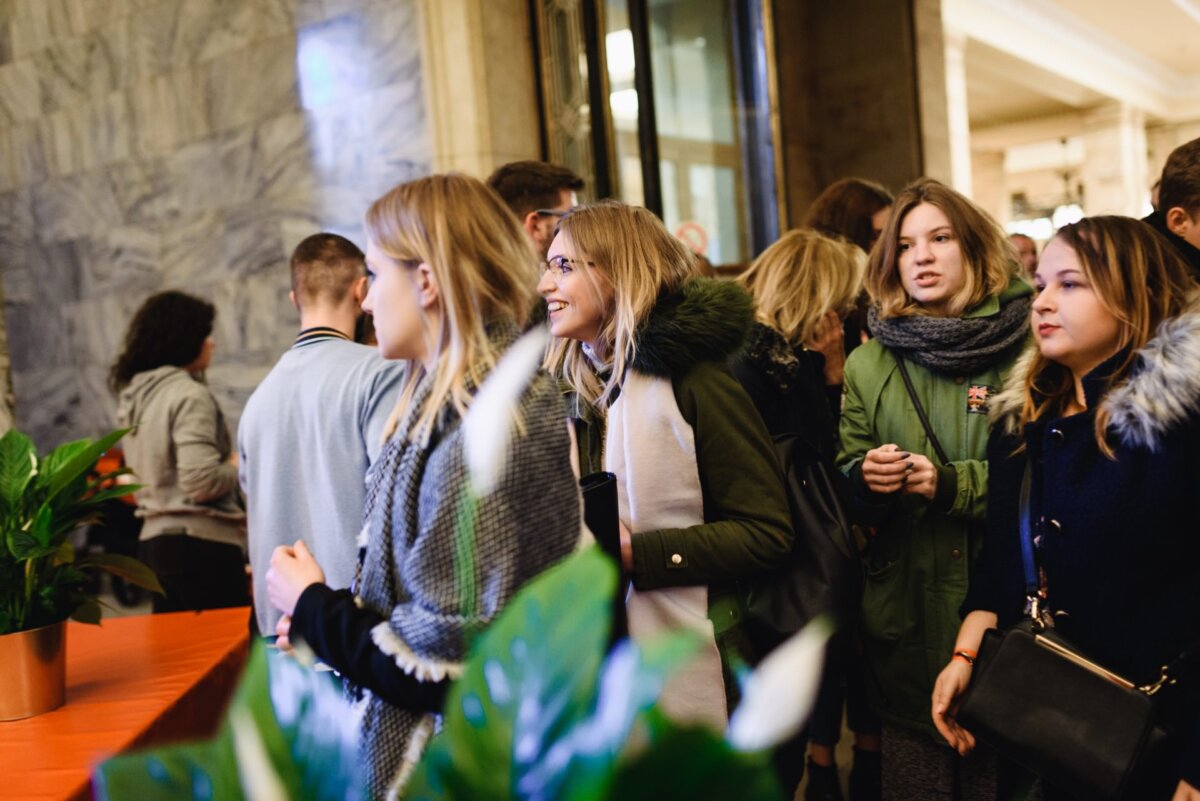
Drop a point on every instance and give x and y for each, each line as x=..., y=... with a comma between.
x=1026, y=253
x=578, y=294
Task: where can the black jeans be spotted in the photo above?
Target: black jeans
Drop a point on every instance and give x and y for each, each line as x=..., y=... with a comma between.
x=196, y=573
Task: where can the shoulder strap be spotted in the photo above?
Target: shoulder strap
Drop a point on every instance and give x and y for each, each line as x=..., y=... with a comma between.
x=912, y=394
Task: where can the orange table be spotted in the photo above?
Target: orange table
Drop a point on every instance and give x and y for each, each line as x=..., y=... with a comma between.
x=134, y=682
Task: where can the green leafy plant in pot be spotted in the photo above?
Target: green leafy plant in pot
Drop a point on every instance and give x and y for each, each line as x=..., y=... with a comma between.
x=42, y=578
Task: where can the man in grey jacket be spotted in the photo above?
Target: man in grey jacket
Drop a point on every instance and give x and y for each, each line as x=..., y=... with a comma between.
x=315, y=424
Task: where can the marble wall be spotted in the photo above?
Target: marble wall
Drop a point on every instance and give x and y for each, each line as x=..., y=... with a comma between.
x=185, y=144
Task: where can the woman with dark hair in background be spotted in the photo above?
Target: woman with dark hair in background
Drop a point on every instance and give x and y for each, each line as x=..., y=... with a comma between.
x=856, y=210
x=194, y=531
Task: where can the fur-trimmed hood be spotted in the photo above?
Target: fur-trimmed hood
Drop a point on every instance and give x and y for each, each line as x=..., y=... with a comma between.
x=1161, y=393
x=706, y=320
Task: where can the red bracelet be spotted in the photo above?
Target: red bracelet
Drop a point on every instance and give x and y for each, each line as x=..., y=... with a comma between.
x=966, y=655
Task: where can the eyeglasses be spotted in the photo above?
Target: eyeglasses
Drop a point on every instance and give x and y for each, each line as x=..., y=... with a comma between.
x=552, y=212
x=560, y=266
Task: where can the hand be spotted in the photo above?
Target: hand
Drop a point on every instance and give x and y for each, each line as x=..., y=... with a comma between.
x=626, y=549
x=922, y=477
x=282, y=629
x=886, y=468
x=291, y=572
x=1186, y=792
x=947, y=692
x=828, y=339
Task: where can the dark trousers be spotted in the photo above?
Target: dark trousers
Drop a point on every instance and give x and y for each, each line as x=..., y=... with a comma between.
x=195, y=573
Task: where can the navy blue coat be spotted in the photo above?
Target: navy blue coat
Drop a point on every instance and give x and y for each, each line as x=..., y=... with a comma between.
x=1120, y=538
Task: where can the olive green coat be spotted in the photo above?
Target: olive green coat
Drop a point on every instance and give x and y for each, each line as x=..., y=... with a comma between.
x=921, y=553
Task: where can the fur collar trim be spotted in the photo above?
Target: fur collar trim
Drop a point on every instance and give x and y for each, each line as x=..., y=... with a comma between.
x=1161, y=393
x=705, y=321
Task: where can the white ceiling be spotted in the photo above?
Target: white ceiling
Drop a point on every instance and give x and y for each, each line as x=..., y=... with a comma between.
x=1026, y=59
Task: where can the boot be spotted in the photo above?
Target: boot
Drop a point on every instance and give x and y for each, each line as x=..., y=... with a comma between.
x=823, y=784
x=866, y=776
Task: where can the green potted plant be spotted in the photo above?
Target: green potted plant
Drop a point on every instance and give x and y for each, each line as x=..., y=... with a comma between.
x=42, y=578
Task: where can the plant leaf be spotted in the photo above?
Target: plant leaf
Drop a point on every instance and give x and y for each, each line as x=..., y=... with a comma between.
x=108, y=493
x=87, y=612
x=531, y=677
x=125, y=567
x=18, y=464
x=34, y=542
x=80, y=460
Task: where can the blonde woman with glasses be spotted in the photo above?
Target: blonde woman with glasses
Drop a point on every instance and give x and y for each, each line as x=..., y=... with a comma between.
x=644, y=342
x=451, y=283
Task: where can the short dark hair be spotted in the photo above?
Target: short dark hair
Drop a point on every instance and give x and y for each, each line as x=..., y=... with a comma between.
x=1181, y=179
x=845, y=209
x=325, y=266
x=531, y=185
x=168, y=329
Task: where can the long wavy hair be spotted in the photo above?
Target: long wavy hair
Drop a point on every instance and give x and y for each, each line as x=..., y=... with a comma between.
x=639, y=259
x=484, y=268
x=1140, y=279
x=168, y=329
x=800, y=278
x=988, y=260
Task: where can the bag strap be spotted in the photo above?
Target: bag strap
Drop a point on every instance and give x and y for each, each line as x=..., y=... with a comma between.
x=912, y=394
x=1035, y=592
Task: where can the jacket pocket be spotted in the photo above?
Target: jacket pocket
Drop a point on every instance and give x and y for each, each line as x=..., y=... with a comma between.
x=884, y=602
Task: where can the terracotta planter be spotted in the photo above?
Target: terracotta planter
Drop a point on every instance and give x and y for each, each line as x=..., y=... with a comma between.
x=33, y=664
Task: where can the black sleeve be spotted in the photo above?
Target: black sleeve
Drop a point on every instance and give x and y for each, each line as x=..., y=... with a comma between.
x=339, y=633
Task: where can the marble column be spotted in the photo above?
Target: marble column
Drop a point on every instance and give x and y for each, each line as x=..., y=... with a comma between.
x=1114, y=173
x=185, y=144
x=958, y=119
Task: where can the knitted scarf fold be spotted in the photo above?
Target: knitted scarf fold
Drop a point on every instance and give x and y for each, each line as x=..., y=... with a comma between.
x=955, y=345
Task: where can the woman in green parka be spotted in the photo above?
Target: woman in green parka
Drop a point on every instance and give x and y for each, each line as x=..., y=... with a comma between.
x=948, y=309
x=643, y=343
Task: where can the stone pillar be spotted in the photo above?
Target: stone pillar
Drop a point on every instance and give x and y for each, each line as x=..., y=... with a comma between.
x=990, y=184
x=1114, y=174
x=479, y=83
x=958, y=121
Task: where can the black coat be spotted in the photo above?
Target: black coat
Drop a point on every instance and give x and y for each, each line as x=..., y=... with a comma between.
x=1120, y=538
x=788, y=388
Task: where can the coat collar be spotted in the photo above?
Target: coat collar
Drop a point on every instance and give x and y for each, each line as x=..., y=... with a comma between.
x=706, y=320
x=1160, y=394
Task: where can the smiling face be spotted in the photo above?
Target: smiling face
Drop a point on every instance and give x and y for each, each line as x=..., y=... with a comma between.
x=931, y=264
x=1071, y=324
x=400, y=301
x=578, y=295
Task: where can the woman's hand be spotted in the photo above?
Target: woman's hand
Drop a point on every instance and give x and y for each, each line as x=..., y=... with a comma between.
x=1186, y=792
x=828, y=339
x=886, y=468
x=947, y=690
x=291, y=572
x=282, y=631
x=922, y=477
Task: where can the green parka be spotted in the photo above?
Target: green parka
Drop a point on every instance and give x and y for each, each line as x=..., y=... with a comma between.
x=747, y=524
x=921, y=553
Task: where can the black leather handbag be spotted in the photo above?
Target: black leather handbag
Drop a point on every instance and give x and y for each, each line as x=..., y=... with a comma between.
x=1040, y=702
x=823, y=574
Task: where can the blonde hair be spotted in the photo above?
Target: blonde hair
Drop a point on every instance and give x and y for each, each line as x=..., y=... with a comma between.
x=1140, y=279
x=988, y=259
x=800, y=278
x=482, y=264
x=641, y=261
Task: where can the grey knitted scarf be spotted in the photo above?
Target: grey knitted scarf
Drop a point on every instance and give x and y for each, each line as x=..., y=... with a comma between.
x=955, y=345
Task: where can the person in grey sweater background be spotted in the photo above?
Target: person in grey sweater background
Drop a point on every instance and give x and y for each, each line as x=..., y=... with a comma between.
x=315, y=424
x=193, y=535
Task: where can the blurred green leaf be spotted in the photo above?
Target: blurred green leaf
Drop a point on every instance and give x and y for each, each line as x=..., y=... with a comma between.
x=124, y=567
